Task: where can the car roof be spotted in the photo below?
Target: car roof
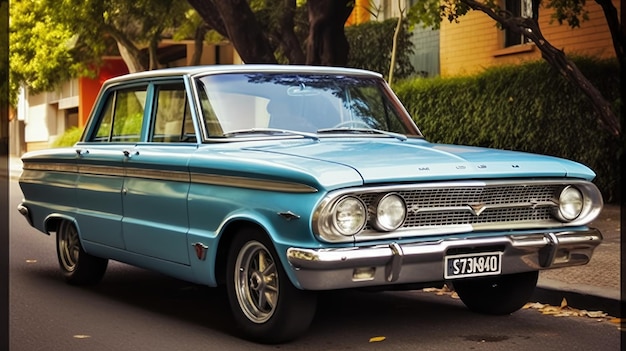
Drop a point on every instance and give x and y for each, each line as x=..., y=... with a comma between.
x=215, y=69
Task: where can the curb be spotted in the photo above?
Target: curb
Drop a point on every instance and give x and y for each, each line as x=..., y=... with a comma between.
x=582, y=297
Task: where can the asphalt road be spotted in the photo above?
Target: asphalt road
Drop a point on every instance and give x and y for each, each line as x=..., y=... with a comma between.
x=134, y=309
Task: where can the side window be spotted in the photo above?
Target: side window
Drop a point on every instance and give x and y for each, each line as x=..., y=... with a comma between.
x=122, y=116
x=172, y=119
x=211, y=122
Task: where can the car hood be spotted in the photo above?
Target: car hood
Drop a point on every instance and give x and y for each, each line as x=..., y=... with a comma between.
x=391, y=160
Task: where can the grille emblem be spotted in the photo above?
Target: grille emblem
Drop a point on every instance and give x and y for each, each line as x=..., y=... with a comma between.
x=477, y=209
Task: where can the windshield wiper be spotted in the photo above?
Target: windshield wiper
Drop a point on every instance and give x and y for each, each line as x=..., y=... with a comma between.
x=271, y=131
x=398, y=136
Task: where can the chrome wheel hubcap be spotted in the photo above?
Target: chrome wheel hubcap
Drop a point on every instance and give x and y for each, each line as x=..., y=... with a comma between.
x=69, y=246
x=256, y=282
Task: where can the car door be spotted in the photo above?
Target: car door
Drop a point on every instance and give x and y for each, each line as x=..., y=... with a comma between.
x=101, y=158
x=156, y=185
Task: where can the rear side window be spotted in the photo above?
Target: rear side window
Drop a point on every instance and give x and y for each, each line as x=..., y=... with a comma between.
x=172, y=119
x=122, y=116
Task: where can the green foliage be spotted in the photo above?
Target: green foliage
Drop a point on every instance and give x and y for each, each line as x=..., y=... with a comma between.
x=41, y=51
x=528, y=108
x=430, y=13
x=371, y=44
x=51, y=41
x=69, y=138
x=570, y=11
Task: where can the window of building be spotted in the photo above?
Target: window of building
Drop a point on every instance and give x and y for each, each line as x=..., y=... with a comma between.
x=518, y=8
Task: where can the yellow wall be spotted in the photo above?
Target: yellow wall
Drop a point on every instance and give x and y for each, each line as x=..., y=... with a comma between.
x=360, y=13
x=475, y=42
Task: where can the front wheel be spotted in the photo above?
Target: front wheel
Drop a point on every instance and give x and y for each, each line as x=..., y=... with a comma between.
x=265, y=305
x=497, y=295
x=78, y=267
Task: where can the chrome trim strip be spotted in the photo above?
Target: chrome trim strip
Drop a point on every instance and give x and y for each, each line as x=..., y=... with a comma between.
x=251, y=183
x=99, y=170
x=174, y=176
x=422, y=262
x=477, y=209
x=50, y=167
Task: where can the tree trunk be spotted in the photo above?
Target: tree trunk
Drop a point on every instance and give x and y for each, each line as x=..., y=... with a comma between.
x=198, y=45
x=616, y=28
x=394, y=48
x=327, y=44
x=131, y=60
x=530, y=28
x=289, y=42
x=152, y=53
x=244, y=31
x=208, y=12
x=134, y=59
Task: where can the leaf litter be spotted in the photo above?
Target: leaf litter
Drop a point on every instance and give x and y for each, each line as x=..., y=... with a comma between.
x=564, y=310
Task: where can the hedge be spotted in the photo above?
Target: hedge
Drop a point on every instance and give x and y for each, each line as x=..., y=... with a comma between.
x=527, y=107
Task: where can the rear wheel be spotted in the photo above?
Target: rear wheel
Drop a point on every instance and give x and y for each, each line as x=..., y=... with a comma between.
x=78, y=267
x=497, y=295
x=265, y=305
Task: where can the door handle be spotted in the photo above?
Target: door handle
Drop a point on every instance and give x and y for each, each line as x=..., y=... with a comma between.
x=130, y=154
x=81, y=152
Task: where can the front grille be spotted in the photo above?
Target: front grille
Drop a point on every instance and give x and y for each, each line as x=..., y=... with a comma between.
x=475, y=205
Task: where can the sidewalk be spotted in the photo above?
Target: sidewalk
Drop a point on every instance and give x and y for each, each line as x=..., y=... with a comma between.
x=15, y=167
x=595, y=286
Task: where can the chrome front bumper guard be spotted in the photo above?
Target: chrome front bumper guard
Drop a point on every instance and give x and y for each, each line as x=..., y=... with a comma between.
x=423, y=262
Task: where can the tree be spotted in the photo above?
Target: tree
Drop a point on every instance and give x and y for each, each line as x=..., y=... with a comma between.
x=431, y=12
x=52, y=41
x=133, y=25
x=256, y=42
x=42, y=52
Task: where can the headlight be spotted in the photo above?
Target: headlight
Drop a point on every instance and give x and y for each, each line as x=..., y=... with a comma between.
x=570, y=203
x=388, y=212
x=349, y=215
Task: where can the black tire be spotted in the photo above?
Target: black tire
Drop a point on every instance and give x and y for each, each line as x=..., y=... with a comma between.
x=265, y=305
x=78, y=267
x=497, y=295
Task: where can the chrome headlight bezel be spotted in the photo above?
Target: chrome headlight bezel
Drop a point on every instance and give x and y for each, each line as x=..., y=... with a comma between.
x=355, y=209
x=384, y=220
x=571, y=203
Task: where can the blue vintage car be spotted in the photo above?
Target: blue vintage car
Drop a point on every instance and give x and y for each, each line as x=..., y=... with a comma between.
x=280, y=181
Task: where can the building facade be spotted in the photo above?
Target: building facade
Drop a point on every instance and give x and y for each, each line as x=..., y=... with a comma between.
x=475, y=43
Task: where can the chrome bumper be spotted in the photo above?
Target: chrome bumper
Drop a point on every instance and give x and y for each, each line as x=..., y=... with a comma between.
x=422, y=262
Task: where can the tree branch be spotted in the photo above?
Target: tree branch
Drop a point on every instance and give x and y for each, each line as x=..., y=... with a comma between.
x=530, y=28
x=208, y=12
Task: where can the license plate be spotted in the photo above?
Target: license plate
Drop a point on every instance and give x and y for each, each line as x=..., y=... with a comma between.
x=473, y=265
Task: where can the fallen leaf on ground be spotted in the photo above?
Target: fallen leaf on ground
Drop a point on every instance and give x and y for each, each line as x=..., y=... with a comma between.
x=565, y=311
x=377, y=339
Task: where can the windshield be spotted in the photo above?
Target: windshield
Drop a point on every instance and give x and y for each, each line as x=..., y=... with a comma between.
x=242, y=103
